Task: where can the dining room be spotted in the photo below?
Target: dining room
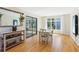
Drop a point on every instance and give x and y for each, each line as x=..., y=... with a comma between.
x=45, y=29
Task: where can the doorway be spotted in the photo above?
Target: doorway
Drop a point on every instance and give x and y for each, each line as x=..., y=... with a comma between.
x=31, y=26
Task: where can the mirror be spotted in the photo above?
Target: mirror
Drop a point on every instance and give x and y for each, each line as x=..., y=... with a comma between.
x=9, y=18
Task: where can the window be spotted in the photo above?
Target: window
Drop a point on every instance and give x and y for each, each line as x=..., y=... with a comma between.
x=57, y=23
x=54, y=23
x=73, y=24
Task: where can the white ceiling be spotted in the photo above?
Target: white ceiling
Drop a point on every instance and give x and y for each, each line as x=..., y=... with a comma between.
x=49, y=11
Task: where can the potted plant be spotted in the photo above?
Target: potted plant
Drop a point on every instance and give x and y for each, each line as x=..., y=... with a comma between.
x=53, y=25
x=21, y=19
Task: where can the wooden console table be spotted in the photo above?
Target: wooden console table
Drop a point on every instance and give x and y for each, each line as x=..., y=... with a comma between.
x=12, y=39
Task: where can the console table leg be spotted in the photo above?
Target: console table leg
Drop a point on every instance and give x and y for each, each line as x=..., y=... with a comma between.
x=4, y=47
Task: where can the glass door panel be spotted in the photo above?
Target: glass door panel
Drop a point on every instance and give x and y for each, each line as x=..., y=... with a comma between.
x=34, y=24
x=31, y=26
x=28, y=27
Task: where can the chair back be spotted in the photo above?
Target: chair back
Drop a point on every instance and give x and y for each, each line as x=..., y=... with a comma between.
x=42, y=30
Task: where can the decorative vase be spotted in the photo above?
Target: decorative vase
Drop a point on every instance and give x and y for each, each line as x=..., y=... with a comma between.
x=21, y=23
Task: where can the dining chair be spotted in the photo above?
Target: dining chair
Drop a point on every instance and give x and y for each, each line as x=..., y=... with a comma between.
x=42, y=30
x=40, y=33
x=51, y=35
x=43, y=37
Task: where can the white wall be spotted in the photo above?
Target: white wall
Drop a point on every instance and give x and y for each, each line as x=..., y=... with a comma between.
x=66, y=24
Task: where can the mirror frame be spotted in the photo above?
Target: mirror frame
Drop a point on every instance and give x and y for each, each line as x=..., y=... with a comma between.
x=11, y=11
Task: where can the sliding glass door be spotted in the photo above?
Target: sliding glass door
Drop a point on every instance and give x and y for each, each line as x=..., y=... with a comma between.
x=31, y=26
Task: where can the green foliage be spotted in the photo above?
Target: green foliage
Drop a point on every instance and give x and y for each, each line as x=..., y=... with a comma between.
x=0, y=15
x=49, y=25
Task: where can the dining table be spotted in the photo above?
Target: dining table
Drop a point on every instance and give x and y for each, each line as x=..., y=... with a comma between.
x=49, y=34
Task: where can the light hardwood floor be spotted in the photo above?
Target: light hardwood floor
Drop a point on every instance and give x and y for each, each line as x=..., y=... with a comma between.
x=60, y=43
